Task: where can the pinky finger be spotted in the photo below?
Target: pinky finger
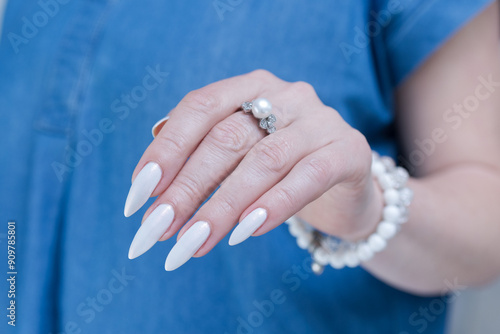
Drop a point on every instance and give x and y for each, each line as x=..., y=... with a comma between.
x=307, y=181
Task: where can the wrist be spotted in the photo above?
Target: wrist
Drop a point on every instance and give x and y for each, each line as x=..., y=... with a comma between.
x=371, y=214
x=339, y=253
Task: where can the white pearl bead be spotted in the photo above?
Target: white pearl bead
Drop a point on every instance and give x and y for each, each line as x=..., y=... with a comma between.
x=261, y=108
x=386, y=181
x=392, y=213
x=388, y=162
x=406, y=196
x=304, y=240
x=296, y=229
x=337, y=261
x=387, y=230
x=365, y=252
x=376, y=243
x=321, y=256
x=401, y=176
x=391, y=197
x=404, y=215
x=378, y=168
x=351, y=259
x=317, y=268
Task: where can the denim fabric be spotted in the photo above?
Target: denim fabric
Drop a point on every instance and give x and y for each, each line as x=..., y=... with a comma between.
x=81, y=84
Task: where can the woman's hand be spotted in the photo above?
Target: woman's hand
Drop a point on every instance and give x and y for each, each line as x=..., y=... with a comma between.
x=314, y=163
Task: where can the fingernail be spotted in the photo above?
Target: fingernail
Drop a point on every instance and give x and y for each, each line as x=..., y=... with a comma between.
x=151, y=230
x=159, y=125
x=187, y=245
x=142, y=188
x=248, y=226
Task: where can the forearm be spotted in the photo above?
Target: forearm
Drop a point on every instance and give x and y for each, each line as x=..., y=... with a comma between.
x=452, y=233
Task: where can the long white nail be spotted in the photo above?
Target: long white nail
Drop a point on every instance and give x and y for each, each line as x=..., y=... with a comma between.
x=151, y=230
x=142, y=188
x=187, y=245
x=158, y=126
x=248, y=226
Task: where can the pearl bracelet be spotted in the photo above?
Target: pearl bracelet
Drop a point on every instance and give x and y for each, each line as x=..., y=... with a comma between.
x=326, y=249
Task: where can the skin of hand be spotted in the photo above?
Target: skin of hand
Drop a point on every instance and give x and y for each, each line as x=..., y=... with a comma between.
x=318, y=166
x=281, y=173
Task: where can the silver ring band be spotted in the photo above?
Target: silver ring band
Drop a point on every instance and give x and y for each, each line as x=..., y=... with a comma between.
x=261, y=109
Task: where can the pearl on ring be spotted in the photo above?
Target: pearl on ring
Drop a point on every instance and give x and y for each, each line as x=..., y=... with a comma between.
x=261, y=108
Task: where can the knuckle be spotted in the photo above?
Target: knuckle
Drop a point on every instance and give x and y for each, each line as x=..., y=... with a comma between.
x=227, y=207
x=302, y=88
x=174, y=143
x=262, y=74
x=202, y=100
x=265, y=77
x=287, y=197
x=319, y=170
x=230, y=135
x=273, y=154
x=189, y=189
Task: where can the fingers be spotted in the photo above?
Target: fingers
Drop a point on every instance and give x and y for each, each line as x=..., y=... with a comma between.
x=264, y=165
x=213, y=160
x=189, y=123
x=307, y=181
x=265, y=180
x=216, y=157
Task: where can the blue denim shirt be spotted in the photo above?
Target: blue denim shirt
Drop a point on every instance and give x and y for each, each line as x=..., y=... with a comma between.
x=81, y=84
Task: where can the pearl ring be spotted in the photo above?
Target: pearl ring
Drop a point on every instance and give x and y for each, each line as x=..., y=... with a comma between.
x=261, y=109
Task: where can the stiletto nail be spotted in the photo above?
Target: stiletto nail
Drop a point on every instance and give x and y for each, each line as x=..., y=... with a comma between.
x=187, y=245
x=151, y=230
x=159, y=125
x=248, y=226
x=142, y=188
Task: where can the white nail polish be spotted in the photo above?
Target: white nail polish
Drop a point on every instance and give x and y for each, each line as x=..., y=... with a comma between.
x=248, y=226
x=142, y=188
x=161, y=122
x=187, y=245
x=151, y=230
